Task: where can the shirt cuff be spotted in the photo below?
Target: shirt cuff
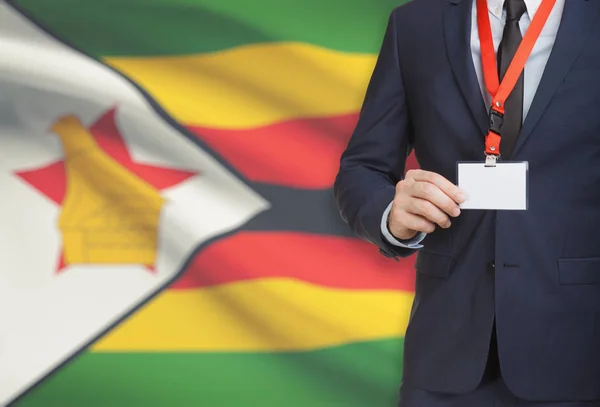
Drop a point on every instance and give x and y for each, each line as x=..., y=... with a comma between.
x=413, y=243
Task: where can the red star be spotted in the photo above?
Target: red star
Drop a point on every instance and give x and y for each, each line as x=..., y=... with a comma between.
x=51, y=180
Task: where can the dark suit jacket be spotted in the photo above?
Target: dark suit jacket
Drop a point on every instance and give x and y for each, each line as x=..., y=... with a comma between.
x=544, y=291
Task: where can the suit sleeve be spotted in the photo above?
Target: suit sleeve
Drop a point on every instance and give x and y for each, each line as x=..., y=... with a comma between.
x=375, y=158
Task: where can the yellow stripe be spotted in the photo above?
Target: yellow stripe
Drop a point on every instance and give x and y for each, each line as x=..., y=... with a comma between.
x=262, y=315
x=253, y=85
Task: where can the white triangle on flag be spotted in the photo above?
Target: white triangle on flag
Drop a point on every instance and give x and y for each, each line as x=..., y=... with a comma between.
x=46, y=316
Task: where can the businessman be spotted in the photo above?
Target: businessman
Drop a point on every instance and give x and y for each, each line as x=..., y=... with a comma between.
x=507, y=302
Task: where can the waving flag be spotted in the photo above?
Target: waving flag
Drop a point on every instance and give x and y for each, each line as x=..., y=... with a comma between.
x=188, y=147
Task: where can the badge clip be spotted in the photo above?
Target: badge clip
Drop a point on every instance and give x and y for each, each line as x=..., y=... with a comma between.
x=490, y=160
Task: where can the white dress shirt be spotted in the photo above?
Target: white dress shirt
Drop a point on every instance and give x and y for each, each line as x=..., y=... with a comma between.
x=534, y=68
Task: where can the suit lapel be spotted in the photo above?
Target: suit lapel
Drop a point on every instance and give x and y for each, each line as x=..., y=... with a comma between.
x=457, y=34
x=577, y=20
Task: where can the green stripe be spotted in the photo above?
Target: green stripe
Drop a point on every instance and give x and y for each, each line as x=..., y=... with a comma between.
x=356, y=375
x=173, y=27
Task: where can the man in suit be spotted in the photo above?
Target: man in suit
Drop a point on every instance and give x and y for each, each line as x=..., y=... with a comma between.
x=507, y=303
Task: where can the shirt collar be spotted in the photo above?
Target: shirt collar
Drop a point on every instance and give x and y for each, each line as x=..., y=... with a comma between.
x=496, y=6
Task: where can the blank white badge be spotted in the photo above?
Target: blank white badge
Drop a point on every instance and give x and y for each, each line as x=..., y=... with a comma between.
x=503, y=187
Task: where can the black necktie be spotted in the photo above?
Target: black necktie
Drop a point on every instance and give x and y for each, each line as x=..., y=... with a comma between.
x=513, y=107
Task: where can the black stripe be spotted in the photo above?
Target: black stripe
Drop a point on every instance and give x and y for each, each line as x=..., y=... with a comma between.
x=311, y=211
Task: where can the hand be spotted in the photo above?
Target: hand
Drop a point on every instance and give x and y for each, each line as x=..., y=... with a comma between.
x=423, y=199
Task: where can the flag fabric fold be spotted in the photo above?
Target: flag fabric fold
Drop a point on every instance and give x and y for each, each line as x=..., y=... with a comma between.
x=144, y=261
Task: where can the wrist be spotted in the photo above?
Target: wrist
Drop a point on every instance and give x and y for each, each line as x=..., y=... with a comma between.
x=403, y=234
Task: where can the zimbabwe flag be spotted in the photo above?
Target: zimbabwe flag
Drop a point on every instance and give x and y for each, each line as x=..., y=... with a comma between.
x=170, y=236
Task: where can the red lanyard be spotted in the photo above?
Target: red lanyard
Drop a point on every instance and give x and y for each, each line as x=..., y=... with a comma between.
x=501, y=91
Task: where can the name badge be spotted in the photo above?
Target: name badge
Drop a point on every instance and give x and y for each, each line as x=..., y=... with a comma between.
x=502, y=186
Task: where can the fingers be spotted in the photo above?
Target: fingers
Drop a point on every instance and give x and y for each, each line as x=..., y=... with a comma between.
x=425, y=199
x=429, y=211
x=416, y=223
x=431, y=197
x=447, y=187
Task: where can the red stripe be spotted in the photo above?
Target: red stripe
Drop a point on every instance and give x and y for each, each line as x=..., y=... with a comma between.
x=301, y=153
x=330, y=261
